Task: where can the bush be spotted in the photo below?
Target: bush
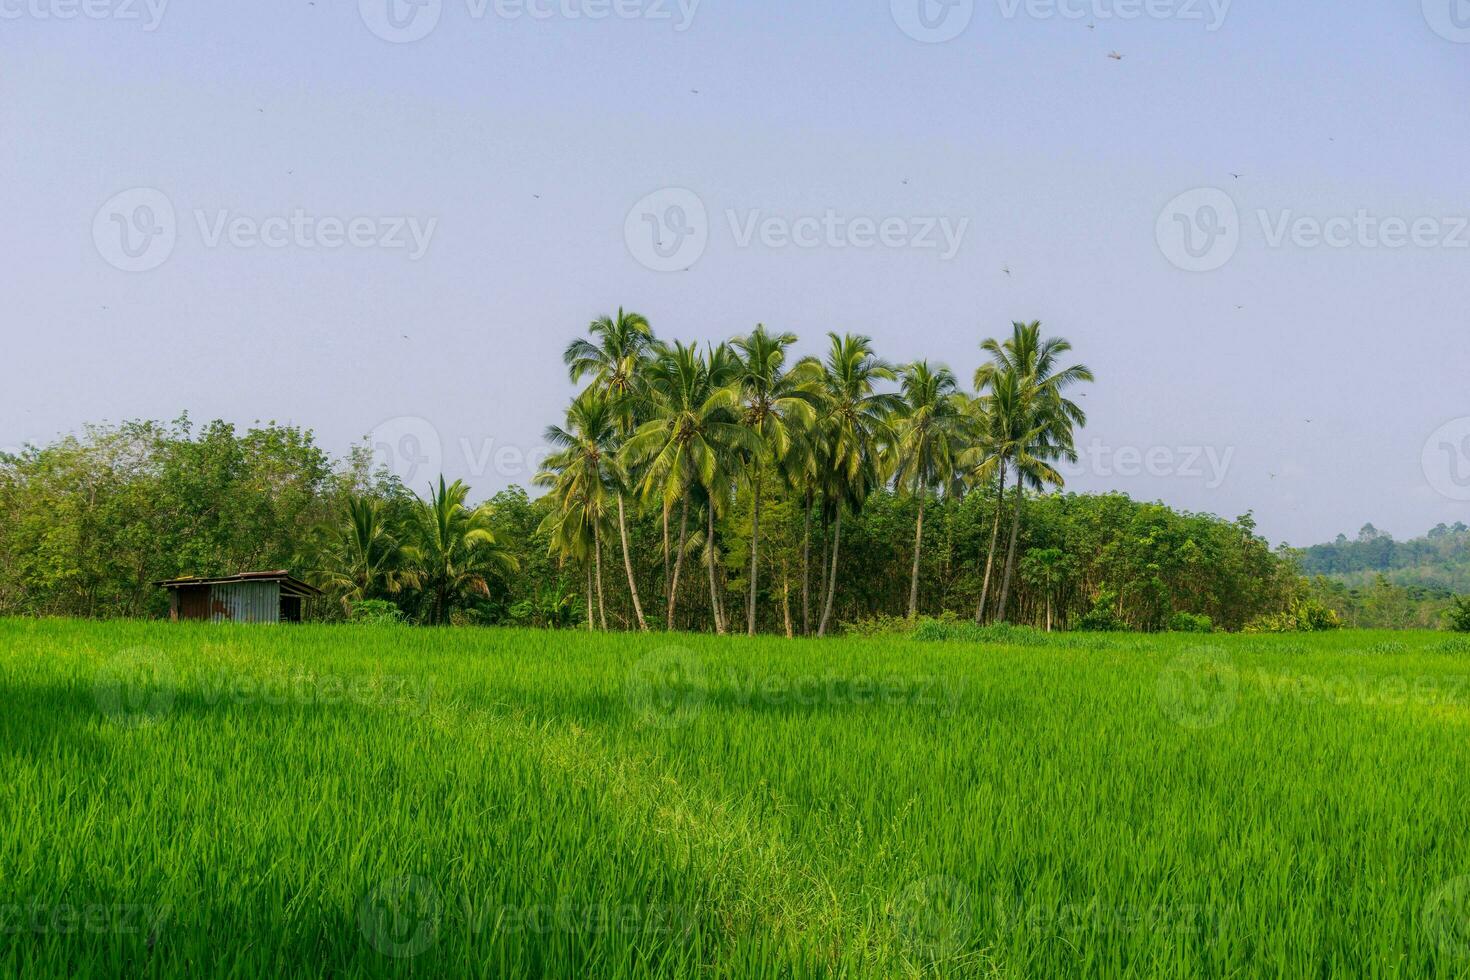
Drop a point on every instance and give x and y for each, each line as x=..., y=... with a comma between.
x=1457, y=617
x=376, y=612
x=1183, y=622
x=1103, y=616
x=1304, y=616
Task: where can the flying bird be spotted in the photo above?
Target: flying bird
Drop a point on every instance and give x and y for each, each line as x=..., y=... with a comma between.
x=1006, y=269
x=1115, y=56
x=1236, y=176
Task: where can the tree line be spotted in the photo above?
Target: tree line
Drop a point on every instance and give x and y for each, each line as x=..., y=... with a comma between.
x=731, y=487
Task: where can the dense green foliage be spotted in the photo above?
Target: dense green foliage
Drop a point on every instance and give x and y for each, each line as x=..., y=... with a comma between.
x=90, y=523
x=369, y=801
x=84, y=535
x=1145, y=561
x=734, y=486
x=87, y=524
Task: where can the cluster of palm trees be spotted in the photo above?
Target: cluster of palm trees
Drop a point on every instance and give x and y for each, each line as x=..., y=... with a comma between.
x=689, y=430
x=443, y=549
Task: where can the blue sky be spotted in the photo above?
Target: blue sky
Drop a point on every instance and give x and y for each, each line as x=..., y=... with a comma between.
x=1321, y=386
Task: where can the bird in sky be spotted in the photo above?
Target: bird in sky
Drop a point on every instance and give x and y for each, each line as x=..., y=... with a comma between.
x=1115, y=56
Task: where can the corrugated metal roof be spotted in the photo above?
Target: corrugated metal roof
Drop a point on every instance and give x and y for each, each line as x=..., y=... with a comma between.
x=289, y=584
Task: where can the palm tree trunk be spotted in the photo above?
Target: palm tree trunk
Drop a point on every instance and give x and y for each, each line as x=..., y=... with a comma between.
x=806, y=570
x=918, y=544
x=666, y=548
x=755, y=543
x=591, y=613
x=628, y=566
x=597, y=551
x=678, y=562
x=709, y=553
x=1000, y=496
x=1005, y=583
x=832, y=582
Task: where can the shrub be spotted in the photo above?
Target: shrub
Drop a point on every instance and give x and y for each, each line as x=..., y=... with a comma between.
x=1457, y=617
x=1103, y=616
x=376, y=612
x=1183, y=622
x=1305, y=615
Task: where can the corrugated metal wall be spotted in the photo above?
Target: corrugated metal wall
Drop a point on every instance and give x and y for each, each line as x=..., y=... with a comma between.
x=246, y=602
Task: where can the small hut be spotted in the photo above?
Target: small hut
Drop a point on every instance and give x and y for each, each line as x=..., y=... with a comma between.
x=250, y=597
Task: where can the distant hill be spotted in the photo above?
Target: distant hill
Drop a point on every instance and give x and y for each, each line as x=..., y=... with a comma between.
x=1437, y=562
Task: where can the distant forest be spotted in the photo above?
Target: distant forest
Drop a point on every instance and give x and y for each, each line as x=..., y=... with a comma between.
x=1374, y=581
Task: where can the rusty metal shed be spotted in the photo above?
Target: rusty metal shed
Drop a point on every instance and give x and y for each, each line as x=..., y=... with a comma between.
x=250, y=597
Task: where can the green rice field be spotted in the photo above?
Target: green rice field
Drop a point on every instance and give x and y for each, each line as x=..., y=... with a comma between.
x=316, y=801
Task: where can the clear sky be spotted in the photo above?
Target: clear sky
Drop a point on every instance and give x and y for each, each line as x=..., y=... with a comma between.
x=274, y=160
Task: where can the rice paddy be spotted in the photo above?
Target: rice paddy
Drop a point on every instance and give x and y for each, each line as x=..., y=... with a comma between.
x=395, y=801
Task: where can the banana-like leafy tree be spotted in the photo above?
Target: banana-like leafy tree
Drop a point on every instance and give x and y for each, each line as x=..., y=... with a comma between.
x=455, y=553
x=360, y=558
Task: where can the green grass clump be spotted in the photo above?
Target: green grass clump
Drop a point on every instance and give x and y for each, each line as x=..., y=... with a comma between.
x=388, y=801
x=964, y=631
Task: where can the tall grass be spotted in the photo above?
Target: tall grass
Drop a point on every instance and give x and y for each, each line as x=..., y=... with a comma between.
x=393, y=801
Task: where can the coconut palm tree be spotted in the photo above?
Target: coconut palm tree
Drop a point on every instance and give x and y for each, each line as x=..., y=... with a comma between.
x=854, y=425
x=691, y=440
x=584, y=475
x=360, y=558
x=615, y=361
x=455, y=551
x=774, y=400
x=985, y=460
x=570, y=531
x=1040, y=423
x=801, y=472
x=1032, y=454
x=928, y=433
